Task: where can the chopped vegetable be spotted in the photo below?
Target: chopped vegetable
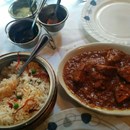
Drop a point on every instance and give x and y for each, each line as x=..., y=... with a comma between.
x=19, y=95
x=42, y=75
x=25, y=104
x=10, y=105
x=16, y=106
x=33, y=71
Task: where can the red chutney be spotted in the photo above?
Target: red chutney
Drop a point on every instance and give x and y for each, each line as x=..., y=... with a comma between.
x=100, y=78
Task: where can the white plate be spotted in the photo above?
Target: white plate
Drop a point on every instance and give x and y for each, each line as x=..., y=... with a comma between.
x=90, y=47
x=107, y=20
x=81, y=119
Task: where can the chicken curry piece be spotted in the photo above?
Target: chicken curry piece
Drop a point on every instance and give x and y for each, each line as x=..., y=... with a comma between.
x=100, y=78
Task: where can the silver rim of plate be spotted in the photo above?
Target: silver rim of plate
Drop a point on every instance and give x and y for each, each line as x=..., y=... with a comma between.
x=107, y=20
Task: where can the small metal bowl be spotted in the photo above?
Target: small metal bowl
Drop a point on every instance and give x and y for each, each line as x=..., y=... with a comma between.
x=46, y=11
x=21, y=9
x=20, y=33
x=48, y=106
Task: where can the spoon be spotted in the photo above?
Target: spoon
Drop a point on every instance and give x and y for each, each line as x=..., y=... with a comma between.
x=41, y=44
x=38, y=11
x=30, y=4
x=53, y=17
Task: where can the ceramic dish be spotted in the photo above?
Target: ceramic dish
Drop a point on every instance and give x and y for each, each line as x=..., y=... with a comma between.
x=80, y=119
x=107, y=20
x=90, y=47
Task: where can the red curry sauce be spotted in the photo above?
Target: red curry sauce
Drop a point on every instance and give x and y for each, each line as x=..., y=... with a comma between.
x=100, y=78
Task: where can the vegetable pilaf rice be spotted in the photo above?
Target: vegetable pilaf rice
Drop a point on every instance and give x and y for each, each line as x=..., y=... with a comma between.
x=21, y=98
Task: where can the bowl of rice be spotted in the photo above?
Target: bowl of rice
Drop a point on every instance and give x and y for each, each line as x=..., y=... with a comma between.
x=28, y=99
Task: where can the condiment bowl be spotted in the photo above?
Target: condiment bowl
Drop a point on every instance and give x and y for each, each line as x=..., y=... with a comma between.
x=45, y=109
x=62, y=15
x=19, y=32
x=21, y=9
x=74, y=88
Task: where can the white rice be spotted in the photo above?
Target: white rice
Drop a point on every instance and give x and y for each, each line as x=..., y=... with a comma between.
x=31, y=87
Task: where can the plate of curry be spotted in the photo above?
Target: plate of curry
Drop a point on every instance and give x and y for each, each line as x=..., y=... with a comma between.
x=97, y=76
